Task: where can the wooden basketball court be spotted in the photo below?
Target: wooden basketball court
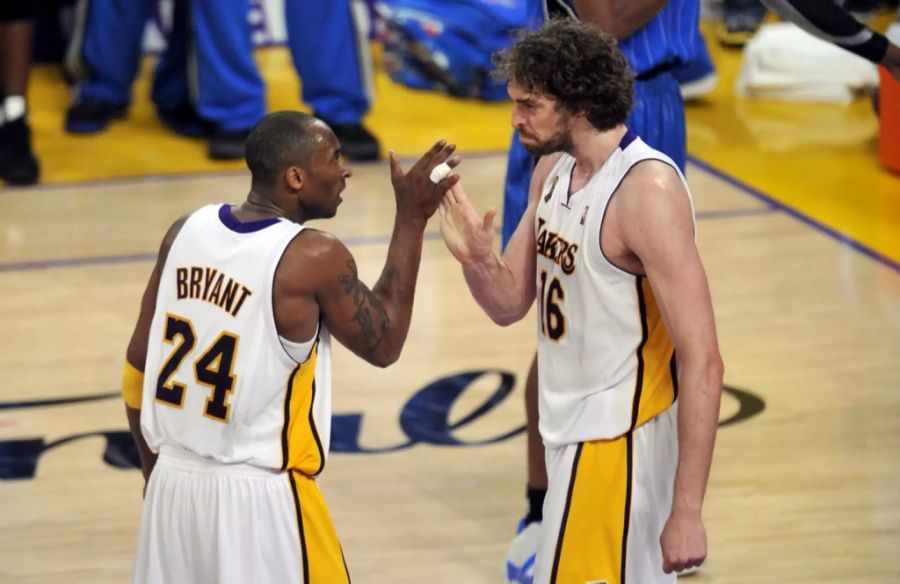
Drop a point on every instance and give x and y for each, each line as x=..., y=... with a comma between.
x=803, y=490
x=427, y=472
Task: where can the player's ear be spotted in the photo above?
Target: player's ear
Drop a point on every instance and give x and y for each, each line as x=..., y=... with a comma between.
x=295, y=177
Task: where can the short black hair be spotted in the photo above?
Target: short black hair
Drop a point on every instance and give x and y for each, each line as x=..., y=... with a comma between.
x=578, y=65
x=279, y=140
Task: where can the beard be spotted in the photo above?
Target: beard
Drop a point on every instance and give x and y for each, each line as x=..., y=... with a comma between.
x=560, y=141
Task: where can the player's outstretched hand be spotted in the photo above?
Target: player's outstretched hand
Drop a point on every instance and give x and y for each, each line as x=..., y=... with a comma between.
x=467, y=236
x=417, y=195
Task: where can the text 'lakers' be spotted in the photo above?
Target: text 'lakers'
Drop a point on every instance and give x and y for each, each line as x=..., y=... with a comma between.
x=555, y=248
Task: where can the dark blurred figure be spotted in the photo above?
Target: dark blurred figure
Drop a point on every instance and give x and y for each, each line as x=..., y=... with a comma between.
x=18, y=164
x=740, y=21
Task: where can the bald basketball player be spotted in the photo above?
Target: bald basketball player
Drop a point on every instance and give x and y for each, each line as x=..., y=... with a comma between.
x=228, y=372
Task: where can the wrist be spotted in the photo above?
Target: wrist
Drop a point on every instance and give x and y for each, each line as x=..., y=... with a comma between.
x=687, y=508
x=410, y=222
x=477, y=261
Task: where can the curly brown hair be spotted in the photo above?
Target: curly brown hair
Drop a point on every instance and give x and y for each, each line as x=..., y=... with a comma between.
x=578, y=65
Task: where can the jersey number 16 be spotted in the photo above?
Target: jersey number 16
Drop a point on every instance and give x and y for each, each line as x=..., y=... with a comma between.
x=553, y=321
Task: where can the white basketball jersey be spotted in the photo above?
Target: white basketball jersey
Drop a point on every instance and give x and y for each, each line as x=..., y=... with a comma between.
x=605, y=361
x=218, y=381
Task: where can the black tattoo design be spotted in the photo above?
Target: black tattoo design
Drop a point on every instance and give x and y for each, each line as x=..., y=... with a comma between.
x=365, y=302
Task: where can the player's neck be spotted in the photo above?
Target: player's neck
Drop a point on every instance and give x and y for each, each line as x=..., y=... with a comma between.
x=592, y=148
x=260, y=206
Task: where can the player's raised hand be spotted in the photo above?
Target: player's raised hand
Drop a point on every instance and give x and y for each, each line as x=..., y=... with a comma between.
x=467, y=236
x=417, y=195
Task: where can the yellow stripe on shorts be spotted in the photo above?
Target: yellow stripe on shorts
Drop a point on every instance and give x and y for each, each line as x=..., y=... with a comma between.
x=593, y=534
x=323, y=558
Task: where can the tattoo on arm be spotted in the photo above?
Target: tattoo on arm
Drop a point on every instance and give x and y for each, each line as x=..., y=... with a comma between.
x=365, y=302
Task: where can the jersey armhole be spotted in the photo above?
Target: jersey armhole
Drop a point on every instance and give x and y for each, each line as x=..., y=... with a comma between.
x=291, y=349
x=616, y=191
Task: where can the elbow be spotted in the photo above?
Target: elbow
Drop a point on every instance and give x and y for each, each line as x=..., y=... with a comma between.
x=503, y=320
x=386, y=362
x=384, y=359
x=508, y=317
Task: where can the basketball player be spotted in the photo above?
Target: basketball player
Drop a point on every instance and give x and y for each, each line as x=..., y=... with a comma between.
x=233, y=416
x=656, y=36
x=606, y=246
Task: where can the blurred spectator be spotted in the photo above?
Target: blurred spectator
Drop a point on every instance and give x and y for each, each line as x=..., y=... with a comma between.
x=18, y=164
x=697, y=77
x=207, y=83
x=106, y=56
x=330, y=47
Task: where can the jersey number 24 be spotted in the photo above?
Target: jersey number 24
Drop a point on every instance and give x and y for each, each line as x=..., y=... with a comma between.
x=213, y=368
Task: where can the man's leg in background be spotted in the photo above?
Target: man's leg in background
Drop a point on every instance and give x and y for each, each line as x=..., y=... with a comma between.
x=18, y=164
x=331, y=53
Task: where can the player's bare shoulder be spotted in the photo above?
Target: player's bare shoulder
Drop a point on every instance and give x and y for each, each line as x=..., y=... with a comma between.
x=312, y=256
x=652, y=210
x=652, y=186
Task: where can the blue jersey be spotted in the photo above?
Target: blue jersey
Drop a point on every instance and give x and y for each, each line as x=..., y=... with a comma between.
x=670, y=37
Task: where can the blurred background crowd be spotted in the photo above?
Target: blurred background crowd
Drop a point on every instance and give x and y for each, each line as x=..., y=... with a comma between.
x=206, y=84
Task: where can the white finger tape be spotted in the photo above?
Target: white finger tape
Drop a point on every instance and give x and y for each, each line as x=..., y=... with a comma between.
x=440, y=172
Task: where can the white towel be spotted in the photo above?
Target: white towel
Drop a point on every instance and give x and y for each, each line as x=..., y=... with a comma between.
x=784, y=62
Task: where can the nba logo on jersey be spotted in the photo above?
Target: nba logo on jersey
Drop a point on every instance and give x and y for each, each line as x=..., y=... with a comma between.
x=552, y=187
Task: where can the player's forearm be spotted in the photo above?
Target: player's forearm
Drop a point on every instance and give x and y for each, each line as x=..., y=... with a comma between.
x=147, y=456
x=396, y=288
x=494, y=287
x=830, y=22
x=700, y=383
x=620, y=18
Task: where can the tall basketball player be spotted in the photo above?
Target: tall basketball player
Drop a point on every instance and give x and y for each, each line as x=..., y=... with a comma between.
x=630, y=373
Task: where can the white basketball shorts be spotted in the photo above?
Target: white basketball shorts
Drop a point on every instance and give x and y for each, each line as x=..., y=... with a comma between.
x=606, y=506
x=205, y=522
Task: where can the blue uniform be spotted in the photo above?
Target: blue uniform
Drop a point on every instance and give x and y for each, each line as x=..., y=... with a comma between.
x=670, y=38
x=332, y=58
x=209, y=59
